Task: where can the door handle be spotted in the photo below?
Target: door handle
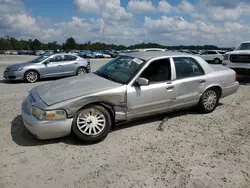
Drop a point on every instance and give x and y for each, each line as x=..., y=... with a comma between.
x=170, y=87
x=202, y=81
x=59, y=65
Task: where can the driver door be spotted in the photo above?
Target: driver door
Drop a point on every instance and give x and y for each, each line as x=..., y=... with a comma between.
x=53, y=67
x=156, y=97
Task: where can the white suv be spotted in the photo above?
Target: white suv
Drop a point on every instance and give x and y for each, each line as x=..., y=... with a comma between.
x=213, y=56
x=239, y=59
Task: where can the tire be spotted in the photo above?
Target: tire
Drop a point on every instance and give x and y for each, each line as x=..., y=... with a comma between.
x=85, y=124
x=81, y=71
x=208, y=105
x=31, y=76
x=217, y=61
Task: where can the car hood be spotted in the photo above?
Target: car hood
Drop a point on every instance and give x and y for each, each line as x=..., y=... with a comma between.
x=239, y=52
x=71, y=87
x=18, y=65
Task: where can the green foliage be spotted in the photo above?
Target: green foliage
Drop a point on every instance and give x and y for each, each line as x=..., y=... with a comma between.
x=10, y=43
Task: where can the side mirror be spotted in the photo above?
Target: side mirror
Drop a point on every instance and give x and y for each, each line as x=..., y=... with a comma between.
x=46, y=62
x=142, y=81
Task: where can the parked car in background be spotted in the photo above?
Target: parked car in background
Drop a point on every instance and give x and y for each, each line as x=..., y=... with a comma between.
x=112, y=53
x=213, y=56
x=150, y=49
x=239, y=59
x=48, y=66
x=98, y=54
x=129, y=87
x=83, y=54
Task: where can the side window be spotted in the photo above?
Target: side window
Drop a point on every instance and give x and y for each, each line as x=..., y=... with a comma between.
x=69, y=58
x=211, y=52
x=56, y=58
x=158, y=71
x=187, y=67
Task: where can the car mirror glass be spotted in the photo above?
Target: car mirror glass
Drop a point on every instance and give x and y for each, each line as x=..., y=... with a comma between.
x=142, y=81
x=46, y=62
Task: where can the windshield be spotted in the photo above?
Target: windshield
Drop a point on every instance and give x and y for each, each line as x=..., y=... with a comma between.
x=121, y=69
x=38, y=59
x=243, y=46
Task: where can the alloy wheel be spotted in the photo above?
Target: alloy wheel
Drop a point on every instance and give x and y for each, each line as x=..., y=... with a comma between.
x=91, y=121
x=81, y=71
x=31, y=77
x=210, y=99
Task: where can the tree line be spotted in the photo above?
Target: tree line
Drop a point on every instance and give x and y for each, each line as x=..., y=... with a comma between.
x=11, y=43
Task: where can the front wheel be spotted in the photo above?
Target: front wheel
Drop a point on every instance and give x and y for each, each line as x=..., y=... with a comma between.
x=31, y=76
x=209, y=100
x=92, y=124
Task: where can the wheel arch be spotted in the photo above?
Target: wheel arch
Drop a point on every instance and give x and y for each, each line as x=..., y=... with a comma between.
x=109, y=107
x=82, y=66
x=217, y=87
x=217, y=58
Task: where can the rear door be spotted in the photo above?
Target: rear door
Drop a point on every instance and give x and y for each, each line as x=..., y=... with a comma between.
x=69, y=64
x=204, y=55
x=189, y=82
x=211, y=55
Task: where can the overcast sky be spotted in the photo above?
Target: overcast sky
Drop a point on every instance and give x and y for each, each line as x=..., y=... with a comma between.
x=169, y=22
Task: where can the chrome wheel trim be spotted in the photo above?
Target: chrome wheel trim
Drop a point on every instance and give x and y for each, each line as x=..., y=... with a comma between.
x=210, y=99
x=32, y=76
x=91, y=121
x=81, y=71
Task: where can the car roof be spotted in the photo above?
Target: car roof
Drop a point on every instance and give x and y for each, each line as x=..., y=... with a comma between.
x=153, y=54
x=63, y=54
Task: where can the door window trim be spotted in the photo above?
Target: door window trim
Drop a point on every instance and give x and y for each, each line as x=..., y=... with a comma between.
x=176, y=79
x=56, y=56
x=132, y=82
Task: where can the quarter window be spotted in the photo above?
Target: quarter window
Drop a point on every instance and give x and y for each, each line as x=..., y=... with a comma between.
x=69, y=58
x=158, y=71
x=187, y=67
x=211, y=52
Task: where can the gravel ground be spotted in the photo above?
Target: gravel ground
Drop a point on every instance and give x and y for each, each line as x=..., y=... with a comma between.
x=188, y=150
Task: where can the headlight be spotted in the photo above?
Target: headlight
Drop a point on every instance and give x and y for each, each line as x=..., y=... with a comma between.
x=48, y=115
x=226, y=56
x=19, y=69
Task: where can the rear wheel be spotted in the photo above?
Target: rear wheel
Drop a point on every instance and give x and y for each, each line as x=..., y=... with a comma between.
x=209, y=100
x=92, y=124
x=81, y=71
x=31, y=76
x=216, y=61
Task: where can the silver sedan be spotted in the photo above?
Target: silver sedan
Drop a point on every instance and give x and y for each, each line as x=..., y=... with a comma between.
x=47, y=66
x=128, y=87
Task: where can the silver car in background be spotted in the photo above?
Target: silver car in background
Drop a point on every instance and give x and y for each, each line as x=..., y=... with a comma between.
x=128, y=87
x=48, y=66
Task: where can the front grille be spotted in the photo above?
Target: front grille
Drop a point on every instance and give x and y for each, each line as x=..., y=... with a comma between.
x=240, y=58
